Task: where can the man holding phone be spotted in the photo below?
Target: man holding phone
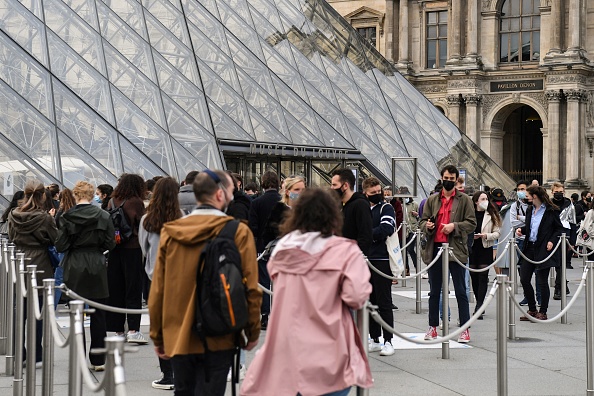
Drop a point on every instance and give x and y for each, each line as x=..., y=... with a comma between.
x=448, y=217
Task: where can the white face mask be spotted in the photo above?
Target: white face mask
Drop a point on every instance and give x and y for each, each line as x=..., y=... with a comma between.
x=482, y=206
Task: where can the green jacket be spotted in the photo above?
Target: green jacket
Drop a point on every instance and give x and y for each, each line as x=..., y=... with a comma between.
x=464, y=220
x=86, y=231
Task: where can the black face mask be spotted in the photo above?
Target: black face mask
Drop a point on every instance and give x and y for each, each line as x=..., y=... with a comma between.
x=558, y=196
x=448, y=185
x=376, y=198
x=339, y=191
x=589, y=199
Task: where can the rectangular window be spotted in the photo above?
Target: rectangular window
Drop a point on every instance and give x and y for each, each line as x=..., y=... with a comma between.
x=437, y=43
x=368, y=33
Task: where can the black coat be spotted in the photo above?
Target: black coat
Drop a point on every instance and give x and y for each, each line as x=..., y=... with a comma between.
x=550, y=230
x=259, y=213
x=240, y=206
x=358, y=224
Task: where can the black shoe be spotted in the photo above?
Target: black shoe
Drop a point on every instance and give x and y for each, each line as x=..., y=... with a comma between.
x=566, y=290
x=569, y=266
x=524, y=302
x=264, y=322
x=557, y=296
x=394, y=307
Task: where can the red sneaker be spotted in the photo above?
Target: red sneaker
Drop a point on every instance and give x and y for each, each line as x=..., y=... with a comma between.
x=464, y=337
x=431, y=333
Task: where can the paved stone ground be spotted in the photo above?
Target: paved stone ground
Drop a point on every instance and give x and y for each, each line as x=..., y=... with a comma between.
x=544, y=360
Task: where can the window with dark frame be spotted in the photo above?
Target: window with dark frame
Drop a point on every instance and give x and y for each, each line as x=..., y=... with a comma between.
x=519, y=31
x=437, y=42
x=368, y=33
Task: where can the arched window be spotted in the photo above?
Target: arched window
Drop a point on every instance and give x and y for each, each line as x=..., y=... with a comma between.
x=519, y=31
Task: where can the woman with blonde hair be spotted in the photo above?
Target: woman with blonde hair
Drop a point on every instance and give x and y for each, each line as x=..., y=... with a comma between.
x=32, y=229
x=86, y=232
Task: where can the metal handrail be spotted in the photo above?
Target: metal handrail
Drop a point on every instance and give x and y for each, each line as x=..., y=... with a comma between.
x=379, y=272
x=493, y=264
x=578, y=253
x=542, y=261
x=73, y=294
x=265, y=290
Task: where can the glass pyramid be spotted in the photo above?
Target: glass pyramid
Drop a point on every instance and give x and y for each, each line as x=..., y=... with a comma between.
x=90, y=89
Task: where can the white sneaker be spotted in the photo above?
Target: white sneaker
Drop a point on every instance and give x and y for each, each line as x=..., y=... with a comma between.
x=98, y=368
x=387, y=349
x=374, y=346
x=136, y=338
x=242, y=370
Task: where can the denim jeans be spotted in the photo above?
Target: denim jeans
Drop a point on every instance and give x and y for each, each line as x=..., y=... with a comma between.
x=467, y=280
x=343, y=392
x=189, y=377
x=435, y=281
x=59, y=277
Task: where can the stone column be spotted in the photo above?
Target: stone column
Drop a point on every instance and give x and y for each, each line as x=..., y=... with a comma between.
x=472, y=30
x=454, y=31
x=403, y=33
x=454, y=102
x=575, y=24
x=551, y=143
x=574, y=96
x=389, y=30
x=472, y=128
x=557, y=14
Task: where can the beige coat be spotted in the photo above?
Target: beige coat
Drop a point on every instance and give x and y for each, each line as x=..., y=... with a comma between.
x=488, y=227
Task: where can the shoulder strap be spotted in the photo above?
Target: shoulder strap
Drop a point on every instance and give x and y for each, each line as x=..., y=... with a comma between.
x=229, y=230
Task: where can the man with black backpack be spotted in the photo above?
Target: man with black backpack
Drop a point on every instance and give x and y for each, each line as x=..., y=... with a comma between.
x=205, y=301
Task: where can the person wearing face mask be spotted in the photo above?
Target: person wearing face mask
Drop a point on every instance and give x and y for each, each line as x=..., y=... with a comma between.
x=568, y=219
x=384, y=225
x=543, y=229
x=171, y=300
x=582, y=206
x=102, y=194
x=486, y=233
x=448, y=217
x=357, y=223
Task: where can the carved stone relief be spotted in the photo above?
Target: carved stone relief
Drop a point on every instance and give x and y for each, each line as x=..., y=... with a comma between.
x=489, y=101
x=590, y=110
x=559, y=79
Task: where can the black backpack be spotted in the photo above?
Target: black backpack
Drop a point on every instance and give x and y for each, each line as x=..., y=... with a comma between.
x=221, y=299
x=123, y=231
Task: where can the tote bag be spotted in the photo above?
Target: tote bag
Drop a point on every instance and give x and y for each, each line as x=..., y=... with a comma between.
x=395, y=254
x=585, y=234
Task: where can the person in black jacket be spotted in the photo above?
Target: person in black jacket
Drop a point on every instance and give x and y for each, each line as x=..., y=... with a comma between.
x=357, y=216
x=384, y=225
x=582, y=206
x=543, y=229
x=259, y=214
x=239, y=207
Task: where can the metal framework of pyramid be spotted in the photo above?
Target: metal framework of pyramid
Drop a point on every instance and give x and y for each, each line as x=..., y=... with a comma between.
x=90, y=89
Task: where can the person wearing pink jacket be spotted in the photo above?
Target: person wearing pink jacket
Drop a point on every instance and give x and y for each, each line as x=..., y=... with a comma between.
x=312, y=346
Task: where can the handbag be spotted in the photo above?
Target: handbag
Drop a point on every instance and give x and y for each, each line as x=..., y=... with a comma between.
x=585, y=234
x=395, y=254
x=55, y=257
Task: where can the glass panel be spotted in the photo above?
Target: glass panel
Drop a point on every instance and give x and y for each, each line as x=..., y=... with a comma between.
x=130, y=11
x=134, y=85
x=526, y=23
x=34, y=7
x=431, y=54
x=443, y=52
x=225, y=127
x=514, y=24
x=443, y=30
x=28, y=130
x=186, y=162
x=241, y=28
x=526, y=46
x=136, y=162
x=24, y=28
x=78, y=165
x=432, y=18
x=85, y=9
x=170, y=18
x=513, y=47
x=535, y=45
x=431, y=31
x=504, y=47
x=84, y=80
x=526, y=6
x=87, y=130
x=515, y=7
x=25, y=76
x=126, y=41
x=199, y=18
x=535, y=7
x=143, y=133
x=536, y=22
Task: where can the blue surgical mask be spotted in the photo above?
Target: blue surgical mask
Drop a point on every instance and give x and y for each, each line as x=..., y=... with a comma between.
x=521, y=194
x=97, y=198
x=293, y=195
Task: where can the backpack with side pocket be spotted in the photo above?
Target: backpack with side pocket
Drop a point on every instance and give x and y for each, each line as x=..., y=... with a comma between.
x=123, y=230
x=221, y=299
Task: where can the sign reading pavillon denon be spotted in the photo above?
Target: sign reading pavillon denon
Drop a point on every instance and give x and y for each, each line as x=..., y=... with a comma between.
x=521, y=85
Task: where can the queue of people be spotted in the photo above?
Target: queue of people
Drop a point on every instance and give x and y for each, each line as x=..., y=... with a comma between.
x=311, y=242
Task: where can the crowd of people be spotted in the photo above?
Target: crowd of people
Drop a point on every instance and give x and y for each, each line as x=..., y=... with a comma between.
x=311, y=243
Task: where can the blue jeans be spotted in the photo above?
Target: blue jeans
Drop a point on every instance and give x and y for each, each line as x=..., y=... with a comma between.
x=59, y=277
x=435, y=281
x=343, y=392
x=467, y=280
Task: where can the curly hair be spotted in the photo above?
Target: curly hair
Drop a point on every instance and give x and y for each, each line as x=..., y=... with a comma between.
x=316, y=210
x=129, y=186
x=67, y=199
x=164, y=205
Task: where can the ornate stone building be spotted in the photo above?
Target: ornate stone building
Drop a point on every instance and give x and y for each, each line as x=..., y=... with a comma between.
x=517, y=76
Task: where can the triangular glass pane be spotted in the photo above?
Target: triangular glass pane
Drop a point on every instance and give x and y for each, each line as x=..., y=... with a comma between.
x=169, y=17
x=34, y=7
x=225, y=127
x=24, y=28
x=187, y=163
x=136, y=162
x=85, y=9
x=130, y=11
x=264, y=131
x=330, y=136
x=21, y=169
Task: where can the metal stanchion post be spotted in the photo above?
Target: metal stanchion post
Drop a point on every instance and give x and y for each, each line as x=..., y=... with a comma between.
x=563, y=285
x=363, y=326
x=403, y=252
x=417, y=269
x=76, y=325
x=114, y=372
x=9, y=259
x=19, y=336
x=552, y=277
x=271, y=295
x=47, y=381
x=590, y=327
x=501, y=339
x=31, y=326
x=445, y=291
x=3, y=307
x=513, y=273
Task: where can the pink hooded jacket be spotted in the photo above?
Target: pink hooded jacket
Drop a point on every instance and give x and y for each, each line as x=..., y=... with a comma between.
x=312, y=346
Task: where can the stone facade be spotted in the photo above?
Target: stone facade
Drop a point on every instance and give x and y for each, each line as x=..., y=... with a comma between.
x=478, y=91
